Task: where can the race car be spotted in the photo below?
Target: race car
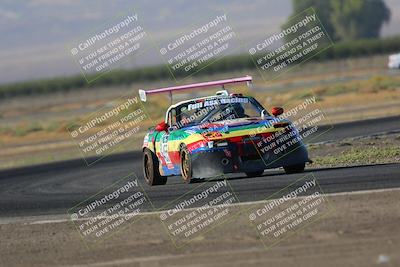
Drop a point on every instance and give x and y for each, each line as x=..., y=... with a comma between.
x=219, y=134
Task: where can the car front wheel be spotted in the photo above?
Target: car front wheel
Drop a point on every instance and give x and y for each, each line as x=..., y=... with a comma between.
x=150, y=169
x=186, y=165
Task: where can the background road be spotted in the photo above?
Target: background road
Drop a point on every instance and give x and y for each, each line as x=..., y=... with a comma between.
x=54, y=188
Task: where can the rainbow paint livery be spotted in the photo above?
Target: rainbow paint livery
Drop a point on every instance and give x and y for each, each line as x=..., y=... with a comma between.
x=224, y=133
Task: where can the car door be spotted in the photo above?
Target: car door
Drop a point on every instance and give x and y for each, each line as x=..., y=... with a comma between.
x=163, y=147
x=164, y=150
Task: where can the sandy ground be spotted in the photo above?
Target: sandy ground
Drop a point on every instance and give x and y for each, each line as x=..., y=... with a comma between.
x=361, y=229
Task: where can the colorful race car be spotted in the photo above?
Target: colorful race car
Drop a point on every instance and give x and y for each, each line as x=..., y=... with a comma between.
x=224, y=133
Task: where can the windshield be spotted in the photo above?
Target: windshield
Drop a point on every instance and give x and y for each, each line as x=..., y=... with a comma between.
x=215, y=109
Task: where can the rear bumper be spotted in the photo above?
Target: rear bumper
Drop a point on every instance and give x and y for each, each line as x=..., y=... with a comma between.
x=211, y=162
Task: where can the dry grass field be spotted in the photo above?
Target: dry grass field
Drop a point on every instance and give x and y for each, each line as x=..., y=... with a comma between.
x=33, y=129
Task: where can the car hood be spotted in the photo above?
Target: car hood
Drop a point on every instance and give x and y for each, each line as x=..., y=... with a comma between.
x=232, y=125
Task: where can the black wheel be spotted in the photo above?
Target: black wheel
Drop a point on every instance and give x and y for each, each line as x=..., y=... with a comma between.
x=150, y=169
x=295, y=168
x=254, y=174
x=186, y=165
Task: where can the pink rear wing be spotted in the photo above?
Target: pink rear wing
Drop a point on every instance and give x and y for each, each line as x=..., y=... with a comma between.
x=143, y=94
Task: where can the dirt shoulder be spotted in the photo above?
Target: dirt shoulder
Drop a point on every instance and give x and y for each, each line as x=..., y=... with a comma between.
x=362, y=230
x=377, y=149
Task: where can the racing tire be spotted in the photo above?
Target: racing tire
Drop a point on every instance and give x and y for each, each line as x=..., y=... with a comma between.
x=295, y=168
x=151, y=172
x=254, y=174
x=186, y=165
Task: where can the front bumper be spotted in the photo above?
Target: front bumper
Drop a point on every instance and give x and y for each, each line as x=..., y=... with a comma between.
x=245, y=157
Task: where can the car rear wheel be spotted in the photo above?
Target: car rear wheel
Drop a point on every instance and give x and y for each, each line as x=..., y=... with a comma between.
x=186, y=165
x=254, y=174
x=150, y=169
x=295, y=168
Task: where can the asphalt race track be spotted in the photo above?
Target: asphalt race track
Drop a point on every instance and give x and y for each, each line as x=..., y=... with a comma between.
x=51, y=189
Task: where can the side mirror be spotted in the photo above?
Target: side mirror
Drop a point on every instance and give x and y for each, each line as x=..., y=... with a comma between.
x=276, y=111
x=162, y=126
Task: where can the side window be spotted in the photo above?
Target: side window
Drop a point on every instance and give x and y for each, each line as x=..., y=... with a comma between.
x=169, y=118
x=172, y=117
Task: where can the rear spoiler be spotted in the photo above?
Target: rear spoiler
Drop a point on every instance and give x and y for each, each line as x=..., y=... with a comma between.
x=143, y=94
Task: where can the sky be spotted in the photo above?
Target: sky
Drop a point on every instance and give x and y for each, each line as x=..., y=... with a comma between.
x=36, y=35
